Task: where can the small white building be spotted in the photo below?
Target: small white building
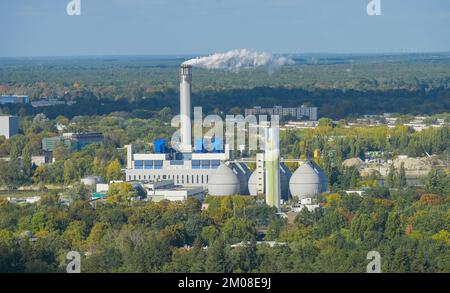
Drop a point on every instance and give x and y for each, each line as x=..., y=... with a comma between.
x=101, y=187
x=358, y=192
x=22, y=200
x=166, y=190
x=308, y=203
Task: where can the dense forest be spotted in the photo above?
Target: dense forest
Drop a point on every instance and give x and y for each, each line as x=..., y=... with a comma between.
x=408, y=227
x=340, y=86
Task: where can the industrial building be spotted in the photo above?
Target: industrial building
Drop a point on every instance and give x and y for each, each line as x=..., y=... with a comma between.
x=73, y=141
x=191, y=171
x=14, y=99
x=299, y=113
x=9, y=126
x=35, y=160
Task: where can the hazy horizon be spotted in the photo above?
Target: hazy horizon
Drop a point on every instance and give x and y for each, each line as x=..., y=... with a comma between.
x=181, y=56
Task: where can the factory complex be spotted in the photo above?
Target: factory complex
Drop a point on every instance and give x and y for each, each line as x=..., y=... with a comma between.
x=191, y=171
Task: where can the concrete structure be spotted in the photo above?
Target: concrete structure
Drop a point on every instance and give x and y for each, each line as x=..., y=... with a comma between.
x=185, y=108
x=272, y=160
x=257, y=188
x=9, y=126
x=129, y=149
x=298, y=113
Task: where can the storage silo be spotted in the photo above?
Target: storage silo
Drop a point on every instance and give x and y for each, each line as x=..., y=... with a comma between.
x=307, y=181
x=223, y=182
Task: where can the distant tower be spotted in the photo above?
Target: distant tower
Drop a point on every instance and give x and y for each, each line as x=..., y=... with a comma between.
x=272, y=162
x=185, y=108
x=129, y=148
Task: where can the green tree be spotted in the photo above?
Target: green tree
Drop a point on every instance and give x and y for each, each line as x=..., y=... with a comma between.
x=325, y=122
x=120, y=193
x=209, y=234
x=401, y=179
x=437, y=182
x=217, y=259
x=70, y=173
x=60, y=152
x=113, y=171
x=393, y=225
x=27, y=165
x=361, y=226
x=75, y=233
x=238, y=229
x=305, y=217
x=391, y=177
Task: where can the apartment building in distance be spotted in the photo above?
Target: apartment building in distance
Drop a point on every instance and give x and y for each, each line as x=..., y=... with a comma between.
x=298, y=113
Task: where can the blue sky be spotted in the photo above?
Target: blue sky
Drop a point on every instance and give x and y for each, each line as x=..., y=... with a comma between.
x=147, y=27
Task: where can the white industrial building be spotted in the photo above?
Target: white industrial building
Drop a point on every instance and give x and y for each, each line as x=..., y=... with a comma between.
x=167, y=190
x=9, y=126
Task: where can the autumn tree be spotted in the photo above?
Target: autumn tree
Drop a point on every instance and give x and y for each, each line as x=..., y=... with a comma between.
x=113, y=171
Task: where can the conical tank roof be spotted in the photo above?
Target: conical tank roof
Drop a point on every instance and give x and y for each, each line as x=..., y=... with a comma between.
x=306, y=173
x=307, y=181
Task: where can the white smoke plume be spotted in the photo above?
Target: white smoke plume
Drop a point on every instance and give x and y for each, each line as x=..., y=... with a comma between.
x=236, y=60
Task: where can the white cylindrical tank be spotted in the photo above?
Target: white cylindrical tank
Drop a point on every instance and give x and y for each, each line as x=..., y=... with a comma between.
x=253, y=184
x=223, y=182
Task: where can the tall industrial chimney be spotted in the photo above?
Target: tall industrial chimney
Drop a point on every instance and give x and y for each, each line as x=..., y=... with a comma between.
x=185, y=108
x=272, y=162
